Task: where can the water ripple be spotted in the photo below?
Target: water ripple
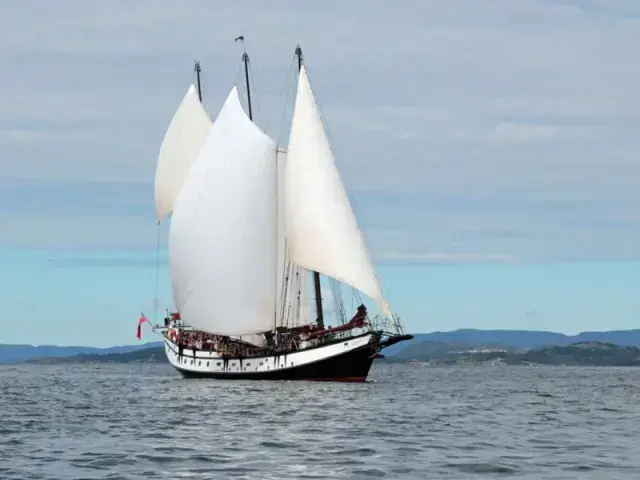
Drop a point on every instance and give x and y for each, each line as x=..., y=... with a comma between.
x=409, y=422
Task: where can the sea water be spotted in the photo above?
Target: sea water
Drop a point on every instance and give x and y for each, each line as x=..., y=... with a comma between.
x=143, y=421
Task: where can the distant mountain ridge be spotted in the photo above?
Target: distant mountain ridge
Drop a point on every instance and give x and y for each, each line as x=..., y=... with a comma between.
x=589, y=353
x=520, y=338
x=515, y=339
x=153, y=354
x=20, y=353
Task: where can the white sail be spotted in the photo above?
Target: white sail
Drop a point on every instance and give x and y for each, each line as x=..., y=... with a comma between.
x=293, y=295
x=321, y=228
x=182, y=142
x=222, y=241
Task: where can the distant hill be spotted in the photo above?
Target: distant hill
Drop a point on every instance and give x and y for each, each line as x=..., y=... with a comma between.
x=147, y=354
x=445, y=352
x=518, y=338
x=21, y=353
x=434, y=353
x=580, y=353
x=505, y=339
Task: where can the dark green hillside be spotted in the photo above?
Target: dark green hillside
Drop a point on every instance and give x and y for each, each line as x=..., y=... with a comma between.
x=583, y=353
x=580, y=353
x=436, y=353
x=147, y=355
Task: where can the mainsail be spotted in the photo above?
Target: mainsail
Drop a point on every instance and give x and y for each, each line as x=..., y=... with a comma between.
x=321, y=229
x=182, y=142
x=222, y=240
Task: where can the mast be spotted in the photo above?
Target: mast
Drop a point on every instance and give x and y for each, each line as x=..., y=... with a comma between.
x=245, y=59
x=198, y=84
x=316, y=275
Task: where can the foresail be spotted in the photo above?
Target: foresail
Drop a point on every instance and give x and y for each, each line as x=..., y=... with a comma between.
x=222, y=240
x=182, y=143
x=321, y=228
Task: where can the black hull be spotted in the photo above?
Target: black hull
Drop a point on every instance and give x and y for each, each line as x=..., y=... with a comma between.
x=350, y=366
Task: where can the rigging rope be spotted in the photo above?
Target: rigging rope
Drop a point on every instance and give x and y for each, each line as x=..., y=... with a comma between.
x=289, y=80
x=155, y=298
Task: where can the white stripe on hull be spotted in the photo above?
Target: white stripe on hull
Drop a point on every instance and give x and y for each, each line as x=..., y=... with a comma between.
x=210, y=363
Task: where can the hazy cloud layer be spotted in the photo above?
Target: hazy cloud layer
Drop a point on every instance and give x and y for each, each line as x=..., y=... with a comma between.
x=466, y=131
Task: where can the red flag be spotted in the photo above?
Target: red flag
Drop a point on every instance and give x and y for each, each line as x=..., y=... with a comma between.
x=140, y=322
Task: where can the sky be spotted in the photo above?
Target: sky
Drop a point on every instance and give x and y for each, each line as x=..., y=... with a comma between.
x=489, y=148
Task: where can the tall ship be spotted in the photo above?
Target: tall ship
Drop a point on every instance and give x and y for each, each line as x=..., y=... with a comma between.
x=254, y=227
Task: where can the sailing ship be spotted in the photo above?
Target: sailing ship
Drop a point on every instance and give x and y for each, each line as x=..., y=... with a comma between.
x=252, y=225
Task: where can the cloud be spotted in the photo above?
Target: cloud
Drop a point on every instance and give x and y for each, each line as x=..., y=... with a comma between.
x=513, y=132
x=447, y=258
x=464, y=130
x=78, y=232
x=619, y=8
x=75, y=262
